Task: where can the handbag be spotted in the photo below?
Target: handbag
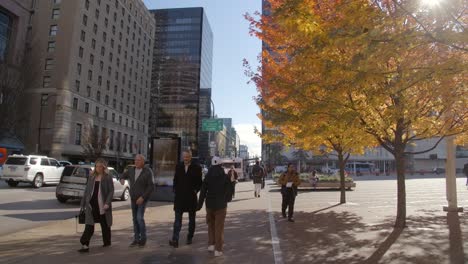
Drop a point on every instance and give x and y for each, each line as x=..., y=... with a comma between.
x=81, y=216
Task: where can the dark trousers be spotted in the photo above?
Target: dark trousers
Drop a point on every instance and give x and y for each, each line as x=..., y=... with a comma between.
x=89, y=231
x=289, y=197
x=234, y=189
x=178, y=224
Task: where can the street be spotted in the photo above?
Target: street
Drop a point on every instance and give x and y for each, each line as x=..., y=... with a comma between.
x=359, y=231
x=25, y=207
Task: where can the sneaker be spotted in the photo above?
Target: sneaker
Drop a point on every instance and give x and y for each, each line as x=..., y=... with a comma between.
x=211, y=248
x=189, y=241
x=106, y=245
x=283, y=215
x=174, y=243
x=218, y=253
x=83, y=249
x=291, y=220
x=134, y=243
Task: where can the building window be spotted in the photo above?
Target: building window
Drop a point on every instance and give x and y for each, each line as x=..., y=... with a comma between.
x=105, y=114
x=98, y=96
x=55, y=13
x=101, y=65
x=111, y=140
x=91, y=59
x=120, y=120
x=49, y=64
x=114, y=103
x=126, y=122
x=87, y=4
x=80, y=52
x=130, y=144
x=118, y=140
x=104, y=36
x=97, y=111
x=78, y=134
x=88, y=91
x=97, y=13
x=86, y=108
x=78, y=68
x=99, y=81
x=85, y=20
x=93, y=43
x=50, y=46
x=83, y=36
x=46, y=81
x=107, y=9
x=125, y=143
x=103, y=51
x=75, y=103
x=106, y=22
x=113, y=117
x=106, y=100
x=77, y=85
x=53, y=30
x=90, y=75
x=95, y=28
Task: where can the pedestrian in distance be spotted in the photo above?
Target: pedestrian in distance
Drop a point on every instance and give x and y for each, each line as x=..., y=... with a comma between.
x=141, y=183
x=187, y=183
x=314, y=179
x=465, y=170
x=232, y=174
x=258, y=174
x=97, y=205
x=217, y=191
x=289, y=181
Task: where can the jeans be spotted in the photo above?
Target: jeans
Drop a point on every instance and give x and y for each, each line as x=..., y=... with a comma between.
x=215, y=220
x=178, y=224
x=289, y=197
x=139, y=227
x=89, y=231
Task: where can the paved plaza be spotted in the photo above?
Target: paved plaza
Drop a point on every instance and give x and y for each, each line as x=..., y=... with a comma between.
x=360, y=231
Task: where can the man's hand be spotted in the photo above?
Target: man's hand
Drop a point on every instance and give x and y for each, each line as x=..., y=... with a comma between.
x=106, y=206
x=122, y=181
x=140, y=201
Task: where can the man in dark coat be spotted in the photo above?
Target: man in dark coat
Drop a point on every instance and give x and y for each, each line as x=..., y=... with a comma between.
x=258, y=175
x=187, y=183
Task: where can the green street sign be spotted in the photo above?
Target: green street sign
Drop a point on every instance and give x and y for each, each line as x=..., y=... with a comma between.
x=212, y=125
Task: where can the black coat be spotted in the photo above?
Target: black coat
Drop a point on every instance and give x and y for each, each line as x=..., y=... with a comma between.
x=186, y=187
x=216, y=189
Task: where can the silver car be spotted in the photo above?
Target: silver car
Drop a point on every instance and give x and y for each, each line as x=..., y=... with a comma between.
x=73, y=183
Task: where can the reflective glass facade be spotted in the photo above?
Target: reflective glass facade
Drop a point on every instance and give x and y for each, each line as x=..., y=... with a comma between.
x=6, y=22
x=182, y=64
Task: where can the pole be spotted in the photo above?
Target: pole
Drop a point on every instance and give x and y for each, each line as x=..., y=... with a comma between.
x=38, y=146
x=451, y=178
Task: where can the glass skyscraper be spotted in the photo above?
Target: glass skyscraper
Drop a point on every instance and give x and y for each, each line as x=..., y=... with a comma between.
x=182, y=65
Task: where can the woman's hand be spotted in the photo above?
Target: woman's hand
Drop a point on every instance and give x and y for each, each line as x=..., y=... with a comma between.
x=106, y=206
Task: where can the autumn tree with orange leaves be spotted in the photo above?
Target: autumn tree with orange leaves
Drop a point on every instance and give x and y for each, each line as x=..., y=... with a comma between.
x=394, y=70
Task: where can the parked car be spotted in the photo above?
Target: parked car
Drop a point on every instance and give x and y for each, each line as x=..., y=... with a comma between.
x=64, y=163
x=37, y=170
x=73, y=183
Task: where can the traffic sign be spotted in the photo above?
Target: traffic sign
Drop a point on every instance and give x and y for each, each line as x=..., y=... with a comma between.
x=212, y=124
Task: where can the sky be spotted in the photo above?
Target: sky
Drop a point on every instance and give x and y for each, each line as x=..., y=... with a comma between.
x=231, y=93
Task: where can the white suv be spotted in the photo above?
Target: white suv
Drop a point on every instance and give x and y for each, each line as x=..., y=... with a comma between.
x=37, y=170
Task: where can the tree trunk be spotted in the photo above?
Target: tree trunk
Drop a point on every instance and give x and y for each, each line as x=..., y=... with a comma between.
x=341, y=164
x=401, y=187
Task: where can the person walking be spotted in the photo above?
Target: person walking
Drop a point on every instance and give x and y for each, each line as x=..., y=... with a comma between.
x=232, y=174
x=465, y=170
x=141, y=186
x=258, y=174
x=289, y=181
x=97, y=205
x=187, y=183
x=217, y=190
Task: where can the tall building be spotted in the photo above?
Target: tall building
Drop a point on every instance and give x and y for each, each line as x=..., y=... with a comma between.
x=182, y=66
x=205, y=137
x=94, y=78
x=243, y=151
x=14, y=21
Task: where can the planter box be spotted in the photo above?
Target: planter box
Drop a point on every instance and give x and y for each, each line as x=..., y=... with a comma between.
x=329, y=185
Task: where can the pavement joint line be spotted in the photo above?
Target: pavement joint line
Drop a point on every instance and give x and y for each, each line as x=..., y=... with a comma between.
x=275, y=242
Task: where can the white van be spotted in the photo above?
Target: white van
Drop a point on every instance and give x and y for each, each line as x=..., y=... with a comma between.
x=37, y=170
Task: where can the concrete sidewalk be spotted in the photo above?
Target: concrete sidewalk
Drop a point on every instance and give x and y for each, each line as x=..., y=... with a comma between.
x=360, y=231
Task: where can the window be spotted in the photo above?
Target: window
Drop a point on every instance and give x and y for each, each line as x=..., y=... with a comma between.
x=118, y=140
x=113, y=117
x=91, y=59
x=125, y=143
x=49, y=64
x=104, y=36
x=106, y=100
x=83, y=36
x=53, y=30
x=105, y=114
x=103, y=51
x=78, y=134
x=111, y=140
x=130, y=144
x=77, y=85
x=46, y=81
x=126, y=122
x=106, y=22
x=51, y=46
x=87, y=4
x=95, y=28
x=97, y=111
x=90, y=75
x=107, y=9
x=80, y=52
x=85, y=20
x=128, y=109
x=99, y=80
x=93, y=43
x=86, y=108
x=121, y=107
x=101, y=65
x=113, y=30
x=97, y=13
x=75, y=103
x=114, y=103
x=78, y=67
x=44, y=162
x=108, y=85
x=98, y=96
x=55, y=13
x=120, y=120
